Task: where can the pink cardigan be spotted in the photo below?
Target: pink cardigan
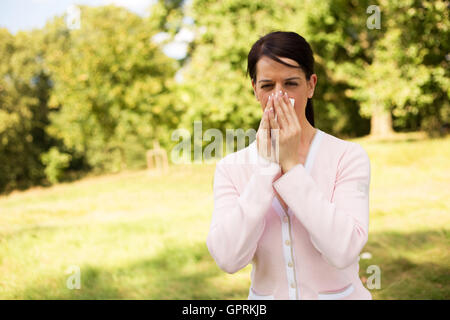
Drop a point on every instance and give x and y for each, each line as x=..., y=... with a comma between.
x=310, y=252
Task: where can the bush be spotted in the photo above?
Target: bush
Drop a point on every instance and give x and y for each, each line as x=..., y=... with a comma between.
x=55, y=162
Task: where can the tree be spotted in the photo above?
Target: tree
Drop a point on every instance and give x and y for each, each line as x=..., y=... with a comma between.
x=396, y=76
x=399, y=69
x=24, y=91
x=216, y=89
x=112, y=87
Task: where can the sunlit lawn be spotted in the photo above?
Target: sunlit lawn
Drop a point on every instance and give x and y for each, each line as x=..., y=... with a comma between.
x=136, y=235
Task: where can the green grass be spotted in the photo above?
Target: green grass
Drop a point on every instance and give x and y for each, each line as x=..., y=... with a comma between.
x=137, y=235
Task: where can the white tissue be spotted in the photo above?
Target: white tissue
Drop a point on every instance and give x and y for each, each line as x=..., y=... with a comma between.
x=292, y=100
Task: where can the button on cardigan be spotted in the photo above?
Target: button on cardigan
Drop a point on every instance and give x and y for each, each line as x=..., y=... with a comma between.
x=312, y=250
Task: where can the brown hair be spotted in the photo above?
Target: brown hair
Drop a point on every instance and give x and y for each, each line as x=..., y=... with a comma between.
x=287, y=45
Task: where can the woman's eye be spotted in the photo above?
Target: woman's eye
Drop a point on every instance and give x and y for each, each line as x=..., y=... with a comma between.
x=289, y=83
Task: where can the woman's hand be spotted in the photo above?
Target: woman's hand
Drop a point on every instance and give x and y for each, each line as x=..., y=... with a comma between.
x=289, y=132
x=263, y=136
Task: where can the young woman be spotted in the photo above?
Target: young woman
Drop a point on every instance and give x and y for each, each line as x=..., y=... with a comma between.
x=295, y=202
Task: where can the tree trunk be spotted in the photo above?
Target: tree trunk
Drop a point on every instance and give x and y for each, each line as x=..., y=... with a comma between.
x=381, y=122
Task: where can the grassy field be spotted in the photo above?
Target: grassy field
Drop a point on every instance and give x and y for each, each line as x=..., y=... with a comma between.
x=137, y=235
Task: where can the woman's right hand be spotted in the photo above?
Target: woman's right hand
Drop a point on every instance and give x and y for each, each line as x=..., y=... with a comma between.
x=263, y=135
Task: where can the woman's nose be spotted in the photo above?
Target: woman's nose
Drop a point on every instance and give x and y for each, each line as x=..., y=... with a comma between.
x=278, y=88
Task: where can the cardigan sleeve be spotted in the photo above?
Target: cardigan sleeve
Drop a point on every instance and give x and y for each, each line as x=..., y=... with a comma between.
x=338, y=229
x=238, y=219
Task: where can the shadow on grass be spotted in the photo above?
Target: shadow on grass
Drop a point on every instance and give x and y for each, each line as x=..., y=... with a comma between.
x=177, y=272
x=406, y=138
x=413, y=265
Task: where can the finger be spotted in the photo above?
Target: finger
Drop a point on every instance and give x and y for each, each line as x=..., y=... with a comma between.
x=287, y=108
x=266, y=108
x=269, y=101
x=266, y=124
x=275, y=116
x=273, y=123
x=261, y=123
x=265, y=133
x=261, y=134
x=291, y=115
x=271, y=105
x=265, y=120
x=282, y=121
x=274, y=133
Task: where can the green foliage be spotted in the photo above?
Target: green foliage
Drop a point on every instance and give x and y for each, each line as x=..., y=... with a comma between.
x=55, y=162
x=217, y=90
x=401, y=67
x=103, y=93
x=112, y=87
x=24, y=90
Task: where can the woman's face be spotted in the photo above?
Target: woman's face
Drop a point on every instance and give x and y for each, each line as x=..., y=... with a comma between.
x=273, y=77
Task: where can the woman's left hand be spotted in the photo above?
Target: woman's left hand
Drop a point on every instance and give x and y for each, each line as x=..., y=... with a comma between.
x=289, y=131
